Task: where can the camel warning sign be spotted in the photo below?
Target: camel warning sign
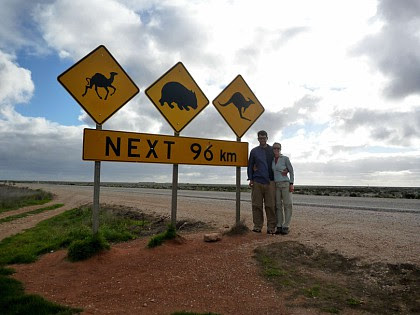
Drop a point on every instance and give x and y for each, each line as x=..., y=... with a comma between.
x=99, y=84
x=238, y=106
x=177, y=96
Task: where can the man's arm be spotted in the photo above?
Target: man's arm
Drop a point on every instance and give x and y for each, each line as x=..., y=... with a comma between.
x=250, y=169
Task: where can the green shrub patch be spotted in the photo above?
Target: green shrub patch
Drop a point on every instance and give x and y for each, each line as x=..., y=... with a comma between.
x=158, y=240
x=314, y=278
x=13, y=300
x=86, y=248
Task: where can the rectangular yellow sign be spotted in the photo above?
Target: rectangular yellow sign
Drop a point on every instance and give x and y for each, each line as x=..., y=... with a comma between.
x=108, y=145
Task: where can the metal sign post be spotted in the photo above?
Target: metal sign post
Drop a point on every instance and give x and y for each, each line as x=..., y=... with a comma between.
x=101, y=86
x=174, y=190
x=238, y=190
x=179, y=99
x=96, y=187
x=240, y=108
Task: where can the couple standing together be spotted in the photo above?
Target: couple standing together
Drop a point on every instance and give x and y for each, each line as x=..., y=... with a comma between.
x=267, y=175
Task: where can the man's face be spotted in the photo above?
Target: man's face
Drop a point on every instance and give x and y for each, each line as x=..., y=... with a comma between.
x=262, y=140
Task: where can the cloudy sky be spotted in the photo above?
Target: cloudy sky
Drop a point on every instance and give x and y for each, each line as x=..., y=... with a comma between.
x=339, y=81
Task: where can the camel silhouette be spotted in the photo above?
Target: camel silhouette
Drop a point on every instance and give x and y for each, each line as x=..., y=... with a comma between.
x=239, y=101
x=99, y=80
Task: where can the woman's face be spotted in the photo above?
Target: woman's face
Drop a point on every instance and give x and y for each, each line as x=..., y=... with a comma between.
x=276, y=150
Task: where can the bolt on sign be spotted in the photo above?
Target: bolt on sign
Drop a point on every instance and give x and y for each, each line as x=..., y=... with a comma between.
x=239, y=106
x=177, y=96
x=99, y=84
x=109, y=145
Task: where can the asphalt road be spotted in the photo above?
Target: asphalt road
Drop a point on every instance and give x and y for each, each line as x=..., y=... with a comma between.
x=351, y=203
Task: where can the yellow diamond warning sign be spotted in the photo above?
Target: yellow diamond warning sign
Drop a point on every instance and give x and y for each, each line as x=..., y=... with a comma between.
x=99, y=84
x=238, y=106
x=177, y=96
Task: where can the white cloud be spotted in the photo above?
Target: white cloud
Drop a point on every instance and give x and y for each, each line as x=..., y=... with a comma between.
x=16, y=85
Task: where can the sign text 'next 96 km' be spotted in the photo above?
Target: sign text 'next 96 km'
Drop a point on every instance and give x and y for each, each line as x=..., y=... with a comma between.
x=107, y=145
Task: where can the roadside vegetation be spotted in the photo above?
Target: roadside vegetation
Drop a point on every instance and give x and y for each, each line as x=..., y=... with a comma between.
x=73, y=227
x=239, y=228
x=160, y=238
x=25, y=214
x=360, y=191
x=344, y=191
x=71, y=230
x=315, y=278
x=13, y=299
x=12, y=198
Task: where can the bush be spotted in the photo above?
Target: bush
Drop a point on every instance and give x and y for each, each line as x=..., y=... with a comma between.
x=86, y=248
x=239, y=228
x=158, y=240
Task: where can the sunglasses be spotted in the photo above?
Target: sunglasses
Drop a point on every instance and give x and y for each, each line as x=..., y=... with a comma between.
x=276, y=148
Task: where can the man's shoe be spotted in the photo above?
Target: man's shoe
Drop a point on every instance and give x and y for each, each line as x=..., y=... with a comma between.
x=256, y=230
x=278, y=231
x=285, y=231
x=271, y=232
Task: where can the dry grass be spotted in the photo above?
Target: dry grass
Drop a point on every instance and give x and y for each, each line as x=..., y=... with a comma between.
x=12, y=197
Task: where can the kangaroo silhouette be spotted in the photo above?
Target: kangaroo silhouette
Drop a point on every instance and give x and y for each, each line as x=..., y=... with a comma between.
x=239, y=101
x=99, y=80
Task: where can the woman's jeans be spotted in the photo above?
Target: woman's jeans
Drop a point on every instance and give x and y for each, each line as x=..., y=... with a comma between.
x=284, y=204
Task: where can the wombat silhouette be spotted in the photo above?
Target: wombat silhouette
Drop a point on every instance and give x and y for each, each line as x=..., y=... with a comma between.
x=239, y=101
x=99, y=80
x=175, y=92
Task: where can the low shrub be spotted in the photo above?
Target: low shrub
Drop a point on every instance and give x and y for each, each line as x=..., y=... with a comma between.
x=239, y=228
x=158, y=240
x=86, y=248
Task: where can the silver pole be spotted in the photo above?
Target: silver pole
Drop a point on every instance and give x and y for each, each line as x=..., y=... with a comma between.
x=174, y=190
x=96, y=186
x=238, y=190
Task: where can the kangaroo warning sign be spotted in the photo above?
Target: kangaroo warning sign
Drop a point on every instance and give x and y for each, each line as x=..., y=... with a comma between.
x=99, y=84
x=177, y=96
x=108, y=145
x=238, y=106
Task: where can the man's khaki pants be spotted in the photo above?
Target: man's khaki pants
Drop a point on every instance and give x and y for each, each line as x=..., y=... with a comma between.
x=263, y=194
x=284, y=204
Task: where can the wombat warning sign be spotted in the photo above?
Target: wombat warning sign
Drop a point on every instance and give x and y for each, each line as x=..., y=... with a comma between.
x=177, y=96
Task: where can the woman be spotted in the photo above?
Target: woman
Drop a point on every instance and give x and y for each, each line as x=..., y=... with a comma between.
x=284, y=188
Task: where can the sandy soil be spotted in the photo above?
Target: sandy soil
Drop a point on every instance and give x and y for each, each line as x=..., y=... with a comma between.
x=195, y=276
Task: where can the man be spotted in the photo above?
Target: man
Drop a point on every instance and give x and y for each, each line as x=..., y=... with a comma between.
x=261, y=181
